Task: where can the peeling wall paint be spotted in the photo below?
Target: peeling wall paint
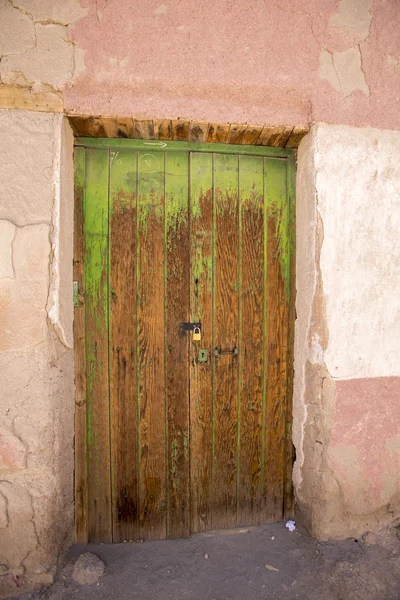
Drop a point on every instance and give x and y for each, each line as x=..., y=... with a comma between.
x=37, y=396
x=347, y=378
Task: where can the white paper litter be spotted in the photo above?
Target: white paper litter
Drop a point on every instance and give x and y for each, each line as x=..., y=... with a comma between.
x=291, y=525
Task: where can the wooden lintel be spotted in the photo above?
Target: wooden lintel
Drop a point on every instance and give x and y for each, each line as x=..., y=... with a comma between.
x=190, y=131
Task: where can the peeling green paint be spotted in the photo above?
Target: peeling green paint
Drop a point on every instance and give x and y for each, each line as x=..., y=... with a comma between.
x=275, y=174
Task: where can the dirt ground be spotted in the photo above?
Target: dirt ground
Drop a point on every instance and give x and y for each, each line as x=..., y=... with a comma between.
x=266, y=562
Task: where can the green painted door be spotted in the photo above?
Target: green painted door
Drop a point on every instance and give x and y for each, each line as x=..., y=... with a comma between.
x=182, y=434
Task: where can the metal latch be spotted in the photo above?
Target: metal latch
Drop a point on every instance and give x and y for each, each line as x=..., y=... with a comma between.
x=219, y=352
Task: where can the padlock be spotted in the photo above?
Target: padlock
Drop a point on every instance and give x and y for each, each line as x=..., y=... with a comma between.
x=196, y=334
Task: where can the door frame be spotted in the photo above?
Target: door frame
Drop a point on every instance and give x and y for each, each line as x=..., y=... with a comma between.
x=287, y=154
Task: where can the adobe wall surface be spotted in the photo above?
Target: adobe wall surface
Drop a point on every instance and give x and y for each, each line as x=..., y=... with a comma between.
x=333, y=61
x=36, y=360
x=347, y=372
x=279, y=63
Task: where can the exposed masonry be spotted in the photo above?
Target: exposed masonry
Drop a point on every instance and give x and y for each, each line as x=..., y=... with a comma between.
x=344, y=69
x=24, y=52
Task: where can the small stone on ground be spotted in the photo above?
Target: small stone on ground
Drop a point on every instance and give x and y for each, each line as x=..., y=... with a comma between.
x=88, y=569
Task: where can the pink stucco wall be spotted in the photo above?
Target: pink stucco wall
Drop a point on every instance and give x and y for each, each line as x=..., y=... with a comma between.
x=275, y=62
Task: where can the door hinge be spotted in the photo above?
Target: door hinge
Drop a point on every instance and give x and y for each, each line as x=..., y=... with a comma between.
x=75, y=293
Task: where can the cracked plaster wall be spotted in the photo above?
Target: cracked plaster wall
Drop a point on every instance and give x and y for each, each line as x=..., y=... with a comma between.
x=36, y=362
x=334, y=61
x=347, y=375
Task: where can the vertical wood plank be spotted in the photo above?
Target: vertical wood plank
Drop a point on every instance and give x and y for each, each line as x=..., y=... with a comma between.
x=164, y=128
x=123, y=384
x=146, y=129
x=177, y=344
x=251, y=136
x=251, y=348
x=201, y=226
x=236, y=133
x=288, y=492
x=151, y=345
x=218, y=133
x=81, y=491
x=198, y=132
x=96, y=316
x=277, y=251
x=179, y=130
x=226, y=338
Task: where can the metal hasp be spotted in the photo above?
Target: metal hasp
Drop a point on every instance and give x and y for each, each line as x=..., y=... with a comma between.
x=75, y=293
x=219, y=352
x=202, y=355
x=189, y=327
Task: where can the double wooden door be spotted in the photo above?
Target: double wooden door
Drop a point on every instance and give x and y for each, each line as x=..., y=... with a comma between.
x=177, y=435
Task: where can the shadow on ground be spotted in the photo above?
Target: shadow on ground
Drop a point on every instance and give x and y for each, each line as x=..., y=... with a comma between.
x=231, y=565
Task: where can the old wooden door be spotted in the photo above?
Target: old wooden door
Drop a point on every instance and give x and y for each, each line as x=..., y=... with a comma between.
x=176, y=435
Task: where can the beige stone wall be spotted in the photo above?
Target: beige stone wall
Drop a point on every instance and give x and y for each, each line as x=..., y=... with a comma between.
x=347, y=373
x=36, y=360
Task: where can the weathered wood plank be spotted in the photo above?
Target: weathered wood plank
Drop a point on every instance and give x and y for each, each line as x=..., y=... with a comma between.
x=185, y=146
x=266, y=134
x=236, y=134
x=218, y=132
x=177, y=345
x=251, y=343
x=226, y=339
x=295, y=137
x=179, y=130
x=201, y=227
x=23, y=98
x=81, y=485
x=251, y=136
x=277, y=250
x=198, y=132
x=288, y=501
x=164, y=128
x=110, y=126
x=96, y=315
x=146, y=129
x=125, y=128
x=280, y=138
x=123, y=350
x=151, y=345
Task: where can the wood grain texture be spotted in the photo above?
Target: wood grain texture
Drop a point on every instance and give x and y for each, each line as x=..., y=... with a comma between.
x=179, y=130
x=96, y=316
x=81, y=488
x=251, y=136
x=164, y=128
x=225, y=410
x=201, y=248
x=251, y=344
x=219, y=249
x=123, y=345
x=218, y=132
x=177, y=345
x=152, y=436
x=295, y=137
x=276, y=336
x=17, y=97
x=288, y=500
x=145, y=129
x=161, y=129
x=110, y=126
x=236, y=133
x=198, y=132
